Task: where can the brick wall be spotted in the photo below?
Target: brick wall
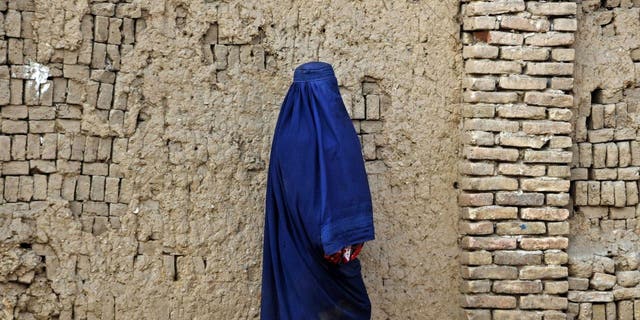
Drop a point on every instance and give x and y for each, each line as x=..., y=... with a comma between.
x=518, y=81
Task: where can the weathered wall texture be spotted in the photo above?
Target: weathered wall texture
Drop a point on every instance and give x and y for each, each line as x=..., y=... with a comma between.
x=135, y=135
x=604, y=246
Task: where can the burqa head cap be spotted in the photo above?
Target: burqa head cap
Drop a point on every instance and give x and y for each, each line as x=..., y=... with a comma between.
x=314, y=70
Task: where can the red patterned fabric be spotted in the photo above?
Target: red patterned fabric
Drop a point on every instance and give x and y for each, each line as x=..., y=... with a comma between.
x=345, y=255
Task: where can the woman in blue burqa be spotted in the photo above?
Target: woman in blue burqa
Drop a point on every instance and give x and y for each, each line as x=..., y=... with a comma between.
x=318, y=210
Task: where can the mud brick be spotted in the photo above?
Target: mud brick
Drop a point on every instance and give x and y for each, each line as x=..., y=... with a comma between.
x=99, y=56
x=597, y=117
x=64, y=143
x=590, y=296
x=126, y=186
x=620, y=194
x=489, y=183
x=481, y=8
x=479, y=153
x=14, y=112
x=544, y=243
x=220, y=54
x=517, y=287
x=76, y=92
x=68, y=188
x=92, y=88
x=551, y=39
x=517, y=257
x=560, y=171
x=580, y=284
x=116, y=120
x=561, y=142
x=490, y=97
x=519, y=198
x=549, y=68
x=25, y=190
x=115, y=36
x=372, y=105
x=54, y=186
x=475, y=228
x=128, y=36
x=479, y=23
x=11, y=188
x=524, y=24
x=69, y=111
x=95, y=169
x=579, y=173
x=551, y=8
x=104, y=149
x=95, y=208
x=560, y=114
x=475, y=258
x=68, y=167
x=15, y=51
x=474, y=66
x=41, y=113
x=31, y=93
x=14, y=126
x=490, y=272
x=41, y=126
x=562, y=54
x=5, y=92
x=2, y=200
x=103, y=76
x=482, y=84
x=97, y=188
x=105, y=96
x=480, y=138
x=632, y=193
x=626, y=294
x=5, y=148
x=488, y=300
x=479, y=110
x=543, y=272
x=520, y=228
x=625, y=310
x=103, y=9
x=488, y=243
x=555, y=257
x=612, y=155
x=547, y=156
x=15, y=168
x=475, y=199
x=492, y=212
x=3, y=51
x=519, y=169
x=91, y=148
x=561, y=83
x=551, y=99
x=500, y=37
x=77, y=148
x=522, y=140
x=16, y=92
x=524, y=53
x=59, y=90
x=558, y=228
x=480, y=51
x=111, y=190
x=599, y=155
x=624, y=153
x=113, y=57
x=593, y=212
x=101, y=30
x=545, y=184
x=556, y=287
x=475, y=286
x=580, y=193
x=83, y=187
x=622, y=213
x=76, y=72
x=586, y=157
x=18, y=147
x=33, y=146
x=12, y=23
x=492, y=125
x=39, y=187
x=564, y=24
x=522, y=82
x=42, y=166
x=607, y=193
x=117, y=209
x=517, y=315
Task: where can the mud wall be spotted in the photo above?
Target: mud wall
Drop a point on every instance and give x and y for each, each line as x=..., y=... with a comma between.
x=135, y=135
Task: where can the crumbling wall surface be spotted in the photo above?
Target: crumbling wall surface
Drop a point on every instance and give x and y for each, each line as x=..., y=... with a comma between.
x=604, y=246
x=135, y=136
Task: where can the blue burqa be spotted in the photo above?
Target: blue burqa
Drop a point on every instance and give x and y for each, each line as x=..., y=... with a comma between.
x=317, y=202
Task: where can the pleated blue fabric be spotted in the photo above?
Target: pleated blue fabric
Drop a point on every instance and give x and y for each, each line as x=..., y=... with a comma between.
x=317, y=201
